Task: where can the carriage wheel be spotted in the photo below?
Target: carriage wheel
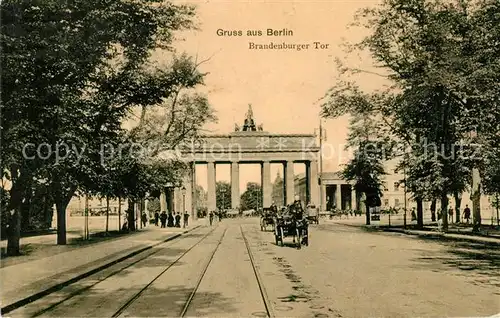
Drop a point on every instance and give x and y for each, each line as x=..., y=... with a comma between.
x=299, y=241
x=282, y=236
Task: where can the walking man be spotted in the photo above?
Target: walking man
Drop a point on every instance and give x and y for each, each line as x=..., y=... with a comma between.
x=157, y=217
x=163, y=219
x=467, y=213
x=178, y=220
x=186, y=217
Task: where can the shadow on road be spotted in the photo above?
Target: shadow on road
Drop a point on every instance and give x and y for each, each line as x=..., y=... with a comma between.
x=169, y=302
x=478, y=261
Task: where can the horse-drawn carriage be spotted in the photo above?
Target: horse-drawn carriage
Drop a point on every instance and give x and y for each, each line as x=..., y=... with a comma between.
x=312, y=214
x=291, y=222
x=267, y=218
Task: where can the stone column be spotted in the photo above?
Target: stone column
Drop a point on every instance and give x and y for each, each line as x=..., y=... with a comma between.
x=313, y=183
x=176, y=201
x=308, y=198
x=353, y=198
x=186, y=202
x=170, y=200
x=290, y=182
x=163, y=201
x=194, y=199
x=235, y=185
x=338, y=196
x=323, y=190
x=211, y=199
x=267, y=188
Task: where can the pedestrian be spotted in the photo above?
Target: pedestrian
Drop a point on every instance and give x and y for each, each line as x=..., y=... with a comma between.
x=157, y=217
x=144, y=219
x=186, y=217
x=211, y=217
x=170, y=222
x=467, y=214
x=163, y=219
x=450, y=214
x=413, y=215
x=178, y=220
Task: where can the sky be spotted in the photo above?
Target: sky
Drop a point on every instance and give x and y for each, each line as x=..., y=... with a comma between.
x=282, y=86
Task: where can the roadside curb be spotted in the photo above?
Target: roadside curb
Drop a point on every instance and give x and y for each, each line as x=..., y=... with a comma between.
x=25, y=301
x=444, y=236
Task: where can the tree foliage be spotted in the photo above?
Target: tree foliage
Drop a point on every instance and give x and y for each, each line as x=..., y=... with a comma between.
x=223, y=194
x=72, y=72
x=441, y=63
x=251, y=198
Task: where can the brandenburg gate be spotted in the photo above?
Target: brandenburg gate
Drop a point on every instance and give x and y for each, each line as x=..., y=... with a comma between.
x=249, y=144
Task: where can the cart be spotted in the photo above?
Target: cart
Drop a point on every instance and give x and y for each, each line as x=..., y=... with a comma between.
x=287, y=226
x=313, y=214
x=267, y=218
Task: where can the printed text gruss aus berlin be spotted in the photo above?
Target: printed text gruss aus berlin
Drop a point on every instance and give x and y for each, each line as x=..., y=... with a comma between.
x=268, y=32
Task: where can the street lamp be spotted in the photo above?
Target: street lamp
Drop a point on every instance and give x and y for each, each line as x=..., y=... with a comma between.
x=183, y=191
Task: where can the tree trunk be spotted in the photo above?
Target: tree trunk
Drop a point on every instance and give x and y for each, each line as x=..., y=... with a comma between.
x=14, y=233
x=107, y=214
x=119, y=213
x=14, y=208
x=458, y=203
x=444, y=212
x=367, y=214
x=433, y=210
x=420, y=213
x=476, y=200
x=62, y=200
x=61, y=222
x=497, y=207
x=131, y=215
x=26, y=208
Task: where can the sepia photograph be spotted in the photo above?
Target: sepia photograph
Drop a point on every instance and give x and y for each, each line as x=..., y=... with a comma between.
x=237, y=158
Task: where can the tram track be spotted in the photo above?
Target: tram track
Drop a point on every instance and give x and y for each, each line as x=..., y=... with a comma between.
x=263, y=293
x=200, y=278
x=265, y=299
x=120, y=270
x=195, y=296
x=138, y=294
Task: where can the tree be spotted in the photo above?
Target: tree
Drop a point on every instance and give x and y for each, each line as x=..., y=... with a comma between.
x=201, y=196
x=251, y=198
x=439, y=88
x=367, y=167
x=63, y=63
x=223, y=195
x=154, y=206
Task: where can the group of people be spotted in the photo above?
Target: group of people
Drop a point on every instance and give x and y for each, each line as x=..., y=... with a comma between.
x=214, y=214
x=171, y=219
x=466, y=214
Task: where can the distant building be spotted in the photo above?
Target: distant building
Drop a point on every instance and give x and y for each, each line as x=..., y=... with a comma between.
x=278, y=196
x=77, y=205
x=393, y=195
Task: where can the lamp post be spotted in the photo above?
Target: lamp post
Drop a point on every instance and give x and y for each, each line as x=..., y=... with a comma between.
x=183, y=191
